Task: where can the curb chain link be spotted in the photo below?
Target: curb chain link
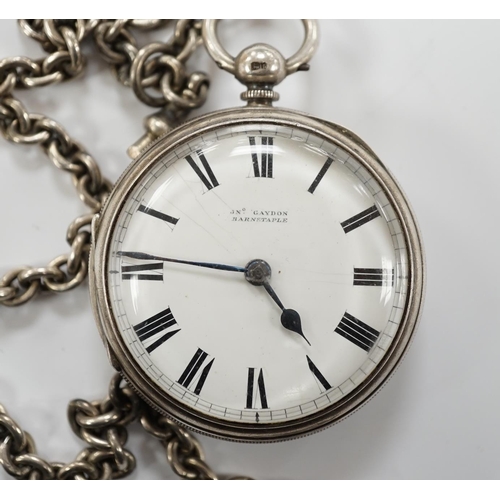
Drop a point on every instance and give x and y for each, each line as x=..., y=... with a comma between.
x=103, y=426
x=158, y=77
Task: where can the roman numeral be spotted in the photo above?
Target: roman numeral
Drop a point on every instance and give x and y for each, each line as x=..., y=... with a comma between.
x=190, y=374
x=159, y=215
x=265, y=169
x=357, y=332
x=364, y=276
x=256, y=390
x=156, y=324
x=136, y=272
x=209, y=182
x=360, y=219
x=320, y=176
x=319, y=376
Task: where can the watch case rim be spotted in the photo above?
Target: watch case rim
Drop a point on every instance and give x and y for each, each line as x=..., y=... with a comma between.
x=186, y=416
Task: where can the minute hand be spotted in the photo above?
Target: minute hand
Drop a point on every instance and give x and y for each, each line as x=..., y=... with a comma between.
x=210, y=265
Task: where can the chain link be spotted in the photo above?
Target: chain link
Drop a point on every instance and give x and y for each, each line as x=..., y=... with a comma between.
x=156, y=74
x=100, y=424
x=63, y=273
x=158, y=77
x=103, y=426
x=62, y=40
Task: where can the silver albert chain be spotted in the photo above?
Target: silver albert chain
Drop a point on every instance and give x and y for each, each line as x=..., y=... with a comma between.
x=157, y=74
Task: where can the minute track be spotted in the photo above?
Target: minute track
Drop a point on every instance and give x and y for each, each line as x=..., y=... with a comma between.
x=237, y=324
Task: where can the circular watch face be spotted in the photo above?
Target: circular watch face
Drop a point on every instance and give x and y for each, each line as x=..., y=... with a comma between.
x=258, y=276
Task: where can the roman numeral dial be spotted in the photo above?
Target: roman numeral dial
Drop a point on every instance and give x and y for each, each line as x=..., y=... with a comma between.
x=209, y=180
x=263, y=162
x=357, y=332
x=360, y=219
x=163, y=322
x=256, y=389
x=317, y=374
x=364, y=276
x=320, y=176
x=150, y=272
x=158, y=215
x=196, y=372
x=256, y=273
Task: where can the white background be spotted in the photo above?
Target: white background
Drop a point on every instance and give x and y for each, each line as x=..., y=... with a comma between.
x=425, y=96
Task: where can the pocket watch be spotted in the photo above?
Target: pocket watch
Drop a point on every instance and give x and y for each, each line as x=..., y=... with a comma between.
x=257, y=273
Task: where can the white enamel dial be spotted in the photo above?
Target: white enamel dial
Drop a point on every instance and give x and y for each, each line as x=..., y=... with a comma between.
x=212, y=340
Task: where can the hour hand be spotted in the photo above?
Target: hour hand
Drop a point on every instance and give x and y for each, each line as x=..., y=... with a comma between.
x=290, y=318
x=210, y=265
x=258, y=273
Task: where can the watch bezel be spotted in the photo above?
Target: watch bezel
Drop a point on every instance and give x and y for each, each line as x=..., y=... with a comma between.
x=175, y=409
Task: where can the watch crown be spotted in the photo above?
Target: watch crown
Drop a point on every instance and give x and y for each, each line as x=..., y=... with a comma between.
x=263, y=96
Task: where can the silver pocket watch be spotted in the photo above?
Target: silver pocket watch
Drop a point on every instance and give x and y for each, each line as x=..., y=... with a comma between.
x=257, y=273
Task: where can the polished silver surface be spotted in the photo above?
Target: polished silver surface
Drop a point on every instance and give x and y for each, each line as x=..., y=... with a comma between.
x=228, y=63
x=260, y=67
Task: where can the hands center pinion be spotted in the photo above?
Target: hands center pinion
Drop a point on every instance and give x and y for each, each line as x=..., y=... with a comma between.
x=257, y=272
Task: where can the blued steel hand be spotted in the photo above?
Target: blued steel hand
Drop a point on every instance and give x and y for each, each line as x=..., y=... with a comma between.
x=257, y=272
x=290, y=318
x=210, y=265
